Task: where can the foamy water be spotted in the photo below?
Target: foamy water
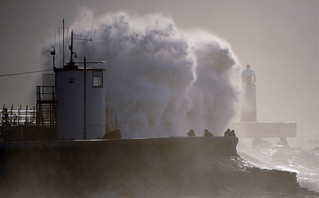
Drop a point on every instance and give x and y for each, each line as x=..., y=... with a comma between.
x=301, y=157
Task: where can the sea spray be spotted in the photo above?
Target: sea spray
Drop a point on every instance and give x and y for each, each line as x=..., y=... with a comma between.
x=267, y=154
x=161, y=81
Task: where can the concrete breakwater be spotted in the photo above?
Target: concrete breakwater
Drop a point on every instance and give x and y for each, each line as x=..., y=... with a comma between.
x=154, y=167
x=77, y=165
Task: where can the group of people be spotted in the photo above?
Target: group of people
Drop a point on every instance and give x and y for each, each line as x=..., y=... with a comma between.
x=228, y=133
x=207, y=133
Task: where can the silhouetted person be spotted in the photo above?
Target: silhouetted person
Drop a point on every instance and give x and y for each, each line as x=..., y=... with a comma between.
x=227, y=133
x=232, y=133
x=208, y=133
x=191, y=133
x=5, y=116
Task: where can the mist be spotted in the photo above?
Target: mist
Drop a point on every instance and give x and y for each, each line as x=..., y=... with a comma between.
x=159, y=80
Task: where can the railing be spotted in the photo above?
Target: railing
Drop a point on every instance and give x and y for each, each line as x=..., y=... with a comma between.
x=17, y=117
x=46, y=115
x=46, y=93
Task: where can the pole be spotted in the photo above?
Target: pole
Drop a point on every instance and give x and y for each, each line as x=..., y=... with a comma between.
x=63, y=44
x=71, y=47
x=84, y=130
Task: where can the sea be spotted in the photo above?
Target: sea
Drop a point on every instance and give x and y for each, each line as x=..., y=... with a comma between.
x=300, y=157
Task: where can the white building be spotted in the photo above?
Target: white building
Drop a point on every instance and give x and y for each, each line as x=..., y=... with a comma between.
x=248, y=127
x=248, y=109
x=71, y=100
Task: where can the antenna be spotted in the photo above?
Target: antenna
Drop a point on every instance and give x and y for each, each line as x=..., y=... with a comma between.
x=91, y=31
x=52, y=52
x=63, y=28
x=87, y=39
x=71, y=64
x=84, y=127
x=53, y=56
x=63, y=42
x=71, y=48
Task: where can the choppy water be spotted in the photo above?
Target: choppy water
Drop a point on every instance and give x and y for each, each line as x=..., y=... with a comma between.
x=301, y=157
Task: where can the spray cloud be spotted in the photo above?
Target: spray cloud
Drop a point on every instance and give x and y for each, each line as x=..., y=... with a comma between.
x=159, y=80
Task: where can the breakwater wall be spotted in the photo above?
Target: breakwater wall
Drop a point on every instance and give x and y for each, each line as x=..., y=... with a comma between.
x=155, y=167
x=71, y=166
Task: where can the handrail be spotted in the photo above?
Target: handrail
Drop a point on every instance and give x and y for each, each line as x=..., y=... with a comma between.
x=46, y=93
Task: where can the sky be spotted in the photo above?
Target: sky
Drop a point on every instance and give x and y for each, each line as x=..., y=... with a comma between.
x=278, y=38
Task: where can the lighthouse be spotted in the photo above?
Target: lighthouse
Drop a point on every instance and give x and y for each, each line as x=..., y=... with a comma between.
x=248, y=108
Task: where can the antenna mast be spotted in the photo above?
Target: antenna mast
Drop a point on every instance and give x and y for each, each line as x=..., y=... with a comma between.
x=63, y=43
x=84, y=127
x=71, y=48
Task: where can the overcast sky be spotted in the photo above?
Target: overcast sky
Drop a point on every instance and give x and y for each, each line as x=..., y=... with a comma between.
x=278, y=38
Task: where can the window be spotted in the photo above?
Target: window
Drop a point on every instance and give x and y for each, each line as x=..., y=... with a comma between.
x=71, y=80
x=97, y=79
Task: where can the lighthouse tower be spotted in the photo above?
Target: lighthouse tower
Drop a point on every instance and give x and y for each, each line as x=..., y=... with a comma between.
x=248, y=109
x=248, y=127
x=80, y=101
